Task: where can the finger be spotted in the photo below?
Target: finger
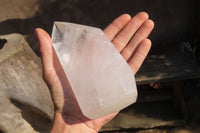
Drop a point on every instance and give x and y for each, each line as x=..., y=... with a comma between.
x=140, y=35
x=140, y=54
x=112, y=30
x=121, y=40
x=46, y=49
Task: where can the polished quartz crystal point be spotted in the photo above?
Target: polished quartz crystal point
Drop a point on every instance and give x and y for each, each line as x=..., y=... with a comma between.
x=101, y=80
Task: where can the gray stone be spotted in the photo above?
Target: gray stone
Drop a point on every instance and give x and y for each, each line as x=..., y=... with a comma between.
x=145, y=116
x=22, y=88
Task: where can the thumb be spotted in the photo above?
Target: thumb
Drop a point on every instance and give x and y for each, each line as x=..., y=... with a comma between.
x=46, y=49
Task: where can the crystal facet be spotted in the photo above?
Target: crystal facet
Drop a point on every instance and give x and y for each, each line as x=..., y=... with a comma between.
x=102, y=81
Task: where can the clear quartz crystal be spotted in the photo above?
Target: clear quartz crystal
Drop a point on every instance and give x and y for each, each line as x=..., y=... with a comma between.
x=102, y=81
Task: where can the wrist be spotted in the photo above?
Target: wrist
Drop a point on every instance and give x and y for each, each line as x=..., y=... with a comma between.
x=61, y=126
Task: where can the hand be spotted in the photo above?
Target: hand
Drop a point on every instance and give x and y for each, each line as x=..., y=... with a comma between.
x=129, y=36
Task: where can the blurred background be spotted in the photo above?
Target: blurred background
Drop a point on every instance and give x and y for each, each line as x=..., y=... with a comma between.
x=169, y=80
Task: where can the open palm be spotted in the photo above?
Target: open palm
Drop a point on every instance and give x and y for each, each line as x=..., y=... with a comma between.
x=129, y=36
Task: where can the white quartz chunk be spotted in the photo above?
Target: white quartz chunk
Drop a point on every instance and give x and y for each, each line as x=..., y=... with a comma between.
x=102, y=81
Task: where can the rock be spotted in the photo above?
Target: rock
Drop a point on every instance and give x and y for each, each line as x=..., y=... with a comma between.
x=22, y=89
x=145, y=116
x=186, y=129
x=94, y=68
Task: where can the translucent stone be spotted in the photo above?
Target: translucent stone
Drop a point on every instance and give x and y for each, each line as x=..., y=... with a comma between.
x=102, y=81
